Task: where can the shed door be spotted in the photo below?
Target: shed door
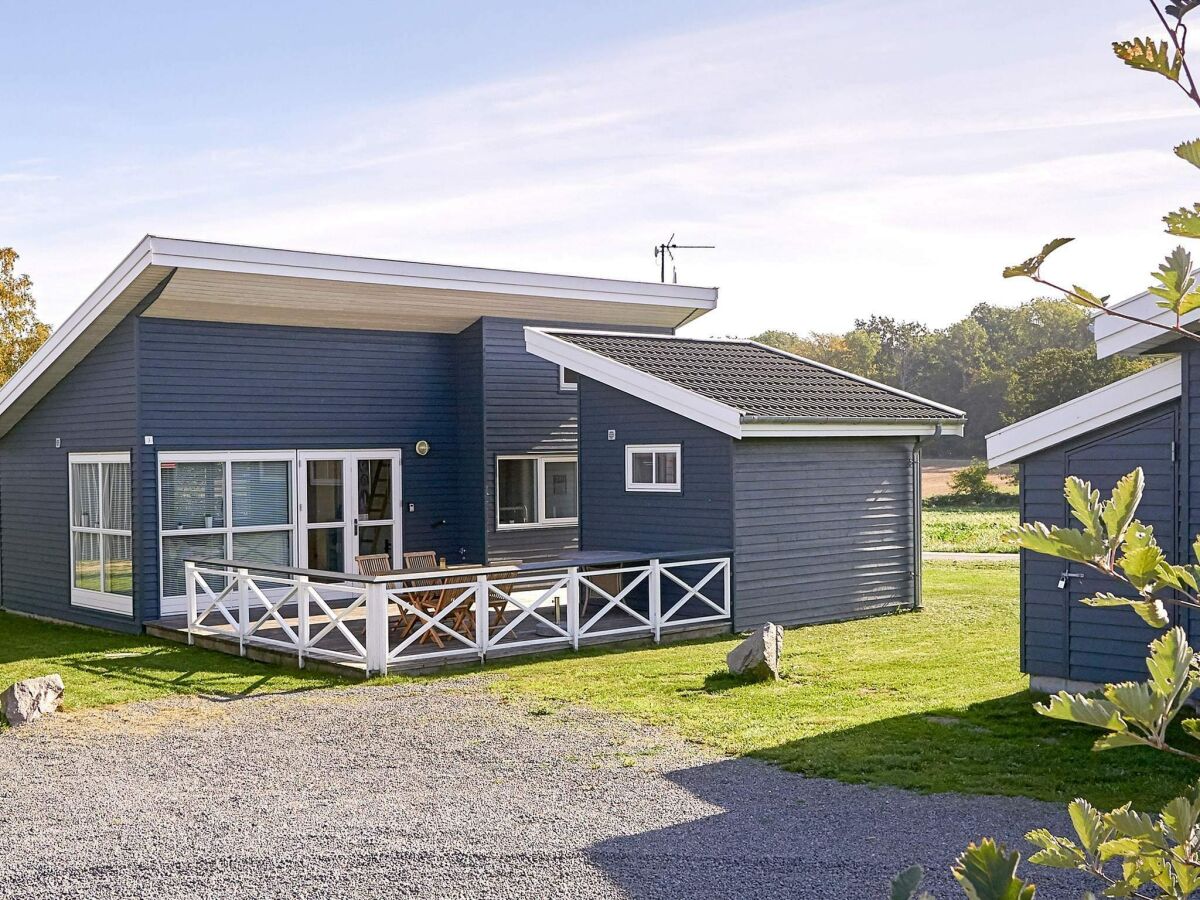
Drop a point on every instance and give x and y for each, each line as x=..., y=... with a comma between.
x=1107, y=643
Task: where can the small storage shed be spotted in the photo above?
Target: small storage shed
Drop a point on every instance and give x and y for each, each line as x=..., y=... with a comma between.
x=811, y=476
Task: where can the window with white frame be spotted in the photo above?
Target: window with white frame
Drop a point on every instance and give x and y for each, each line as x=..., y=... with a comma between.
x=653, y=467
x=568, y=380
x=101, y=532
x=236, y=505
x=537, y=490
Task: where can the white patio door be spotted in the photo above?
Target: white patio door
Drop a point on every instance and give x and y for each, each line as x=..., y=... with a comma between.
x=349, y=506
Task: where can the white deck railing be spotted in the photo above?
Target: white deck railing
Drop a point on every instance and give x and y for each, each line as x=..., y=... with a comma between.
x=382, y=623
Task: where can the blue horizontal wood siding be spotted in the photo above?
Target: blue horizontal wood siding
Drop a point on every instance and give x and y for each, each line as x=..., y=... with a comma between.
x=824, y=529
x=92, y=409
x=219, y=386
x=1061, y=637
x=612, y=518
x=524, y=412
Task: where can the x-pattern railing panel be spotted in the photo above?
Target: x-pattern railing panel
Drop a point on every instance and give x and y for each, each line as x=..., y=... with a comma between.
x=616, y=600
x=337, y=620
x=435, y=623
x=273, y=608
x=694, y=590
x=529, y=609
x=217, y=601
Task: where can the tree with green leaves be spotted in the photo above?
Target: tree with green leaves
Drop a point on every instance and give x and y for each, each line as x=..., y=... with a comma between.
x=21, y=332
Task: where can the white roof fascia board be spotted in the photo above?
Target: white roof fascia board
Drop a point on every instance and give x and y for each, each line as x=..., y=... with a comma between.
x=1117, y=401
x=234, y=258
x=671, y=397
x=140, y=258
x=1116, y=335
x=851, y=429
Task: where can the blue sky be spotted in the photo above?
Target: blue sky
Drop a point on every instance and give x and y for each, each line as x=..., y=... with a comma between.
x=847, y=159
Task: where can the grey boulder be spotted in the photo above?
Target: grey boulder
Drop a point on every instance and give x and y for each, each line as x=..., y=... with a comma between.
x=758, y=655
x=34, y=697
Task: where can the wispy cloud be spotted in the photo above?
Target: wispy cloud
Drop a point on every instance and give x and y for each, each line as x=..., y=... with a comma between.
x=834, y=152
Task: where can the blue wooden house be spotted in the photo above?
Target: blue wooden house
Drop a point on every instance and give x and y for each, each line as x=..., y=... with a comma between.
x=1143, y=420
x=219, y=440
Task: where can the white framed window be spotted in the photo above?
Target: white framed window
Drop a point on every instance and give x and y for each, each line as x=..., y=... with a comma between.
x=568, y=379
x=101, y=518
x=224, y=505
x=653, y=467
x=536, y=491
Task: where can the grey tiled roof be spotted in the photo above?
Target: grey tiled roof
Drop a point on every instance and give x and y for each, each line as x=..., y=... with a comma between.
x=759, y=381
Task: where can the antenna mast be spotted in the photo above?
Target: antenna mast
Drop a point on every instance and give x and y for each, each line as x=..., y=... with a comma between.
x=662, y=251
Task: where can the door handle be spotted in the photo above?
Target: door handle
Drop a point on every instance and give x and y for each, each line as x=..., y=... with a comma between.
x=356, y=526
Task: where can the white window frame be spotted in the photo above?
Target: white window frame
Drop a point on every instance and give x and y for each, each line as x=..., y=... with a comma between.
x=540, y=487
x=656, y=487
x=102, y=601
x=228, y=457
x=563, y=384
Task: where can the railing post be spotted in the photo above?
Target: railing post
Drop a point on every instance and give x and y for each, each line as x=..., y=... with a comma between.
x=189, y=577
x=243, y=576
x=302, y=617
x=377, y=629
x=482, y=623
x=573, y=606
x=728, y=588
x=656, y=600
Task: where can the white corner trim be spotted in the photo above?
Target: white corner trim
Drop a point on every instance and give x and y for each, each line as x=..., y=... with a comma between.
x=671, y=397
x=1117, y=401
x=851, y=429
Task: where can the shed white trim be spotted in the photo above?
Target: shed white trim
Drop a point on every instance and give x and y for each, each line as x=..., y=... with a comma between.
x=1105, y=406
x=1120, y=336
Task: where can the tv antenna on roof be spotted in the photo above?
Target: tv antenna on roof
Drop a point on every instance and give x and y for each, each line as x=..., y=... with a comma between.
x=662, y=251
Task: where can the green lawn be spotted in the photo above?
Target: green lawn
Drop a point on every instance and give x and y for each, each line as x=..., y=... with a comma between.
x=931, y=701
x=967, y=530
x=101, y=668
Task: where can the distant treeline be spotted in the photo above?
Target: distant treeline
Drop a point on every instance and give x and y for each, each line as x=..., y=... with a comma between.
x=999, y=364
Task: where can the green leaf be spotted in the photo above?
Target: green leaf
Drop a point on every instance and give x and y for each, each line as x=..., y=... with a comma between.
x=1064, y=543
x=1149, y=56
x=1088, y=824
x=1118, y=739
x=1081, y=296
x=1152, y=612
x=1084, y=502
x=1124, y=847
x=1179, y=819
x=1184, y=222
x=1120, y=509
x=1085, y=710
x=1128, y=822
x=1181, y=8
x=1137, y=701
x=1055, y=852
x=1189, y=151
x=1031, y=266
x=1191, y=727
x=1170, y=662
x=907, y=883
x=986, y=872
x=1176, y=286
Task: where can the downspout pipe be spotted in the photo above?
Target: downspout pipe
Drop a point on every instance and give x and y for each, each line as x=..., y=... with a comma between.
x=918, y=601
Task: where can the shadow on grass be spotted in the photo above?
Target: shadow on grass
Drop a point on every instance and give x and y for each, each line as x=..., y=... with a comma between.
x=999, y=747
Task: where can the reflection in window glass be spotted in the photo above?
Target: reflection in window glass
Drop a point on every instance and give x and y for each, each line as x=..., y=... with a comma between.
x=562, y=494
x=517, y=491
x=643, y=468
x=192, y=495
x=262, y=493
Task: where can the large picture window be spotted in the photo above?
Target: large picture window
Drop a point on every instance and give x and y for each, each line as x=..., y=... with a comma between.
x=653, y=467
x=537, y=490
x=224, y=506
x=101, y=532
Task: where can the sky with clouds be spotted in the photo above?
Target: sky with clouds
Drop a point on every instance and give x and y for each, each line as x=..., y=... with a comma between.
x=845, y=158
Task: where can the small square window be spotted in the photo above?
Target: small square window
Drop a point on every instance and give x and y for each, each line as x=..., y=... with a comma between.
x=653, y=467
x=568, y=380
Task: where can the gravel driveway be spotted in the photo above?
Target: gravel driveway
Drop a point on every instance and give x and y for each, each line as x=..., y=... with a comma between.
x=441, y=790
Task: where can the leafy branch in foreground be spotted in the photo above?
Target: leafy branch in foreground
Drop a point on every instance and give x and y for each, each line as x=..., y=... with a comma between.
x=985, y=871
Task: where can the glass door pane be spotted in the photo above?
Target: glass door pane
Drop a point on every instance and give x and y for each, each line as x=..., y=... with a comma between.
x=376, y=505
x=325, y=494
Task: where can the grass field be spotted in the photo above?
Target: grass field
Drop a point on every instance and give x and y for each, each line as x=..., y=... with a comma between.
x=931, y=701
x=967, y=530
x=100, y=668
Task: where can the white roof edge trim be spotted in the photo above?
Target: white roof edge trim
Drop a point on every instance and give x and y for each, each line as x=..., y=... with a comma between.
x=236, y=258
x=671, y=397
x=62, y=337
x=1114, y=334
x=829, y=429
x=1112, y=403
